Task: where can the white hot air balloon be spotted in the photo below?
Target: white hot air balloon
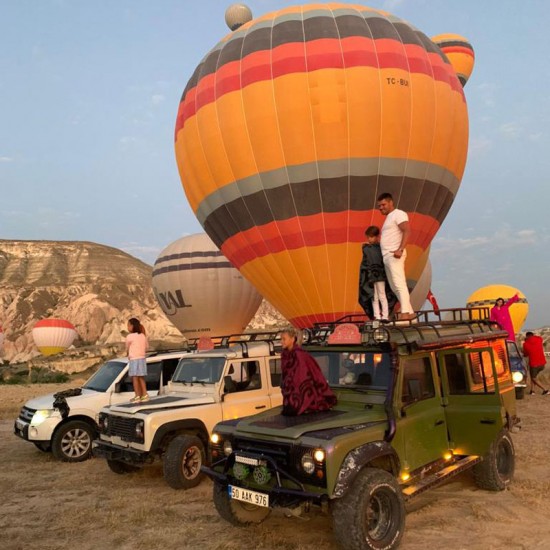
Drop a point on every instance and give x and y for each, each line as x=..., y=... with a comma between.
x=422, y=287
x=200, y=291
x=53, y=336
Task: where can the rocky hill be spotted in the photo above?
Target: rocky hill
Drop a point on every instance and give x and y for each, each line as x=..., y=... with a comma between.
x=97, y=288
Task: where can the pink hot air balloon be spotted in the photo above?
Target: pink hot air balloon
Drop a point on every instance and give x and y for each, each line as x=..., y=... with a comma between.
x=53, y=336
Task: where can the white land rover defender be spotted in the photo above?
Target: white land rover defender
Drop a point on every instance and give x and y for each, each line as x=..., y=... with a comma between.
x=65, y=423
x=229, y=382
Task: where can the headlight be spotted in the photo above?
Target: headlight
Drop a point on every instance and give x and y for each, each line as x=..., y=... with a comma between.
x=308, y=464
x=517, y=376
x=319, y=455
x=227, y=447
x=103, y=422
x=41, y=415
x=214, y=438
x=139, y=429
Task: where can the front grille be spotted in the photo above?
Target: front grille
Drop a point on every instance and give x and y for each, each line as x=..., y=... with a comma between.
x=287, y=457
x=26, y=414
x=122, y=427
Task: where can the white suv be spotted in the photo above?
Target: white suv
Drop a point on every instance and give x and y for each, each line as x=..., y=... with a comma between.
x=207, y=387
x=65, y=423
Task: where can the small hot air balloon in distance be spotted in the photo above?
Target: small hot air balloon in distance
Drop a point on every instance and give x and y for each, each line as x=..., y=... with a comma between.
x=236, y=15
x=294, y=123
x=53, y=336
x=487, y=296
x=459, y=52
x=200, y=291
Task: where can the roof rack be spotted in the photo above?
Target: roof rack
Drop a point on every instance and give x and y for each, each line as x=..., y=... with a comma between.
x=428, y=326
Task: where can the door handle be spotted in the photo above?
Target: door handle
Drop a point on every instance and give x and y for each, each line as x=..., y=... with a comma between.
x=260, y=407
x=487, y=421
x=439, y=422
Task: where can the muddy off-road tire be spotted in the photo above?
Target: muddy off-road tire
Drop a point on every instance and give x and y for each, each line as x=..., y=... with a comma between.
x=235, y=512
x=121, y=467
x=371, y=515
x=72, y=442
x=44, y=446
x=182, y=462
x=520, y=393
x=496, y=470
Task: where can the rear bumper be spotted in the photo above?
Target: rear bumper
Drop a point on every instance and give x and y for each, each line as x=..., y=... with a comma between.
x=108, y=451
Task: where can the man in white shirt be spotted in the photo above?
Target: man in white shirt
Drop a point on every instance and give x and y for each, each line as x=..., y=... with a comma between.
x=393, y=242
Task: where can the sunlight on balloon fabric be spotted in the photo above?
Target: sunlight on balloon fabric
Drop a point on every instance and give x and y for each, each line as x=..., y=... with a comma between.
x=291, y=127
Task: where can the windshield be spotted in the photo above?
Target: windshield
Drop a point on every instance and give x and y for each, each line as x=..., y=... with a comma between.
x=356, y=370
x=105, y=376
x=201, y=370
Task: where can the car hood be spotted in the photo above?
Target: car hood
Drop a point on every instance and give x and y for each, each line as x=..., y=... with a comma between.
x=335, y=421
x=46, y=401
x=166, y=401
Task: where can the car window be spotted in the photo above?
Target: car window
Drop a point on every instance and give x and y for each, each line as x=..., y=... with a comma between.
x=418, y=383
x=152, y=379
x=243, y=376
x=168, y=368
x=275, y=371
x=102, y=379
x=455, y=367
x=204, y=370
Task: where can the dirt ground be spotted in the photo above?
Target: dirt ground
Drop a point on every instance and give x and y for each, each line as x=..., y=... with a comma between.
x=48, y=505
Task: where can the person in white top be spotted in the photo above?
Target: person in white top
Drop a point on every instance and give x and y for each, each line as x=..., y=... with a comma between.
x=393, y=242
x=136, y=347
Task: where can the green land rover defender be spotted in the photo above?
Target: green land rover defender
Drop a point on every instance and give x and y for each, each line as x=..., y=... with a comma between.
x=417, y=404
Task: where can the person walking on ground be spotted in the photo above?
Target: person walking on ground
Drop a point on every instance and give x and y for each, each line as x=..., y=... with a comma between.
x=393, y=242
x=500, y=313
x=136, y=348
x=375, y=295
x=304, y=388
x=533, y=349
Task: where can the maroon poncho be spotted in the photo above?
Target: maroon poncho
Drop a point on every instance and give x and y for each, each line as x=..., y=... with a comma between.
x=304, y=387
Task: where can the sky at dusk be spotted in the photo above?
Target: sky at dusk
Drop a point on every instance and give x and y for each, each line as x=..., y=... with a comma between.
x=89, y=93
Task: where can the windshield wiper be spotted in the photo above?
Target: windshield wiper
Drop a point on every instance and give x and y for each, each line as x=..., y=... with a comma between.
x=181, y=382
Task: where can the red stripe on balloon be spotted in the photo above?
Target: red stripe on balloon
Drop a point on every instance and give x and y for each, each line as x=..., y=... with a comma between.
x=457, y=49
x=321, y=54
x=51, y=323
x=315, y=230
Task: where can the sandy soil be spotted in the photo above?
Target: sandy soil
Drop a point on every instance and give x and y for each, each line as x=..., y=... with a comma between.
x=46, y=504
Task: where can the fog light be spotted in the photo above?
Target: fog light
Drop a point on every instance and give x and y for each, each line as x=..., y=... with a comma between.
x=405, y=476
x=261, y=475
x=448, y=455
x=240, y=471
x=517, y=377
x=307, y=464
x=215, y=439
x=227, y=447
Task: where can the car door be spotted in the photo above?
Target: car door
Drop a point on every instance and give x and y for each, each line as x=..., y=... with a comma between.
x=124, y=389
x=422, y=428
x=471, y=399
x=246, y=389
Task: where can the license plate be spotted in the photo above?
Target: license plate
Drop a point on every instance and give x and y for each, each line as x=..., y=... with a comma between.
x=245, y=495
x=19, y=424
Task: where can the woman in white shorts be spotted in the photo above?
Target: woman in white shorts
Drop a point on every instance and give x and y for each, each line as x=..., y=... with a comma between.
x=136, y=348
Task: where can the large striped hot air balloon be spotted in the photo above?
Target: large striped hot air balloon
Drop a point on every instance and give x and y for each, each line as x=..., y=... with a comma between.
x=53, y=336
x=200, y=291
x=293, y=124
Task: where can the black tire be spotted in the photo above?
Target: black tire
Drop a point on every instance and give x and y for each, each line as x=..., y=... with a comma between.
x=235, y=512
x=121, y=467
x=44, y=446
x=496, y=470
x=371, y=514
x=520, y=393
x=182, y=462
x=72, y=442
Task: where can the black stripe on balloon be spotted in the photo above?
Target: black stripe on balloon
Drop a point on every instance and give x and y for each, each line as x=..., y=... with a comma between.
x=314, y=28
x=181, y=255
x=450, y=43
x=303, y=199
x=187, y=267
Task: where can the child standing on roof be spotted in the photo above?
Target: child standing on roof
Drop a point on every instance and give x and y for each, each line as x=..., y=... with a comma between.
x=375, y=294
x=136, y=348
